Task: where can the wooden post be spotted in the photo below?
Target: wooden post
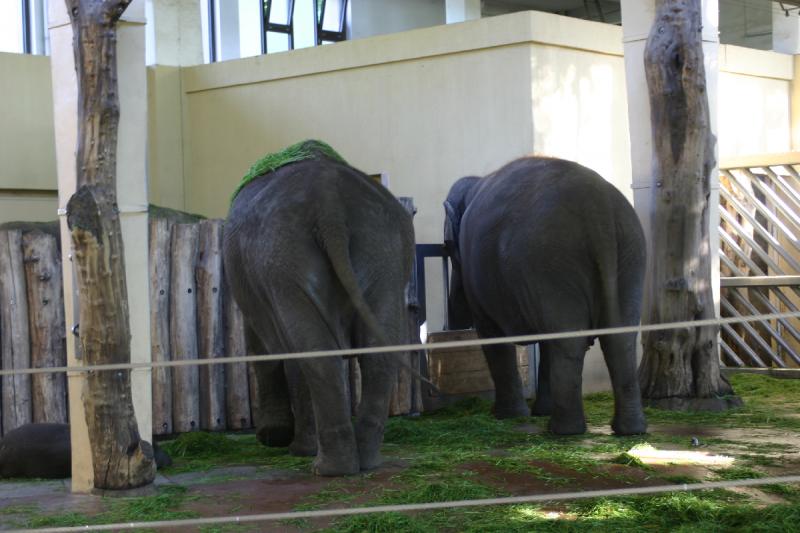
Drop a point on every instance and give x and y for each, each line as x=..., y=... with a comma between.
x=14, y=334
x=159, y=264
x=120, y=458
x=680, y=368
x=211, y=335
x=183, y=328
x=48, y=330
x=237, y=386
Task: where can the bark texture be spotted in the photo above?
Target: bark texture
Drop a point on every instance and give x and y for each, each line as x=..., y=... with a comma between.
x=48, y=343
x=680, y=368
x=121, y=459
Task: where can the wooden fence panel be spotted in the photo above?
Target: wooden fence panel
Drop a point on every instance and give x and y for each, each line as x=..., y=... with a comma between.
x=211, y=335
x=237, y=386
x=48, y=343
x=183, y=328
x=14, y=332
x=160, y=255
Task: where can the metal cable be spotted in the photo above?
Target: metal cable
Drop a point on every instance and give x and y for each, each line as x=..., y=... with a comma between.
x=328, y=513
x=518, y=339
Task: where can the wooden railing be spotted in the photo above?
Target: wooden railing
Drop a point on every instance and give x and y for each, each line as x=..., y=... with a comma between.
x=760, y=258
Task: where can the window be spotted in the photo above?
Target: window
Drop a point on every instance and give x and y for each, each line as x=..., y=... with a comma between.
x=242, y=28
x=23, y=27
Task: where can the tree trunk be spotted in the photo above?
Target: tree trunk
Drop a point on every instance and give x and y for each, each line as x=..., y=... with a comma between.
x=47, y=327
x=121, y=459
x=680, y=368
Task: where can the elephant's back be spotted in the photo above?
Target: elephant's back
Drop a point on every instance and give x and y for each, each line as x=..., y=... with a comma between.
x=543, y=223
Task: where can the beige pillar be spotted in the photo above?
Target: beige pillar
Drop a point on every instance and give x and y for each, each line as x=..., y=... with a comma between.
x=462, y=10
x=132, y=201
x=637, y=18
x=174, y=32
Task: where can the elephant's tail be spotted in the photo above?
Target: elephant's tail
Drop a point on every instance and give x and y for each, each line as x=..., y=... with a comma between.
x=621, y=270
x=333, y=238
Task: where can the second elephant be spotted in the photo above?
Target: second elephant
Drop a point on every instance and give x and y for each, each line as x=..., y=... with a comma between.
x=318, y=256
x=545, y=245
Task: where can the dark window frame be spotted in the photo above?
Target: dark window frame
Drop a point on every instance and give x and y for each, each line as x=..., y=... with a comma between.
x=329, y=35
x=274, y=27
x=27, y=44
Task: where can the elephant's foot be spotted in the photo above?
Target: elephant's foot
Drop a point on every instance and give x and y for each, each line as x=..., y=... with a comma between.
x=325, y=465
x=275, y=436
x=337, y=454
x=369, y=436
x=514, y=410
x=630, y=425
x=561, y=426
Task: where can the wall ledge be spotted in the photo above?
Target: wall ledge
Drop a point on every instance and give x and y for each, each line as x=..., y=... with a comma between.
x=525, y=28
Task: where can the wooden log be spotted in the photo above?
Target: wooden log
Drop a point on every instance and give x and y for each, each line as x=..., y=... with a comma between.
x=183, y=328
x=160, y=260
x=120, y=459
x=47, y=326
x=680, y=365
x=14, y=332
x=403, y=395
x=210, y=324
x=237, y=381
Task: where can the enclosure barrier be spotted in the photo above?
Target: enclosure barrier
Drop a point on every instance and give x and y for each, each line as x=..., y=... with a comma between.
x=760, y=258
x=522, y=339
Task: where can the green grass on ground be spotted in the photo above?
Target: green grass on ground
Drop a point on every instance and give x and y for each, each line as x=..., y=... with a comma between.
x=462, y=452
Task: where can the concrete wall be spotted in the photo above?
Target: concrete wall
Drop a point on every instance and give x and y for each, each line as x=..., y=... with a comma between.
x=754, y=102
x=27, y=149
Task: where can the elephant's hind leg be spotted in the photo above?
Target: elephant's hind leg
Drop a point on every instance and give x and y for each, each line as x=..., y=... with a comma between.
x=378, y=374
x=509, y=397
x=272, y=411
x=619, y=352
x=543, y=405
x=566, y=368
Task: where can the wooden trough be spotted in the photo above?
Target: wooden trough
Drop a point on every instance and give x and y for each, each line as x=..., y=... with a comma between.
x=460, y=373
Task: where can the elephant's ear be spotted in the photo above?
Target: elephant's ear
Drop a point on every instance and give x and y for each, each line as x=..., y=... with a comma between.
x=452, y=224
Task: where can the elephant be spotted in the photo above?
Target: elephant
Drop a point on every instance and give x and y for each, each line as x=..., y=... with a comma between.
x=44, y=450
x=545, y=245
x=317, y=255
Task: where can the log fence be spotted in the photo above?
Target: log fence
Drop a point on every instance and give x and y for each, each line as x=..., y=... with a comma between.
x=192, y=316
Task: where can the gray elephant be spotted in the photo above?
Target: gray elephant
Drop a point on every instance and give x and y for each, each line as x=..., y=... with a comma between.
x=317, y=256
x=544, y=245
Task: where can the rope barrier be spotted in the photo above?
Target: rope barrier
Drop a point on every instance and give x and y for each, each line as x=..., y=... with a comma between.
x=518, y=339
x=330, y=513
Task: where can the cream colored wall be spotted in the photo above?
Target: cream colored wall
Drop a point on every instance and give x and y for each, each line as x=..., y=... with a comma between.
x=27, y=147
x=580, y=109
x=425, y=106
x=165, y=137
x=754, y=102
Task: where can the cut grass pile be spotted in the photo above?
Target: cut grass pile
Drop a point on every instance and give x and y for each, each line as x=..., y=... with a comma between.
x=462, y=452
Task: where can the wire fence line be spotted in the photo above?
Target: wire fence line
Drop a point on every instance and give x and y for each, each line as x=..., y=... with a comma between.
x=432, y=506
x=518, y=339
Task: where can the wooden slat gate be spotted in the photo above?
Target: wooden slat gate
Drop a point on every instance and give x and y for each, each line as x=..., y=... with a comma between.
x=760, y=259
